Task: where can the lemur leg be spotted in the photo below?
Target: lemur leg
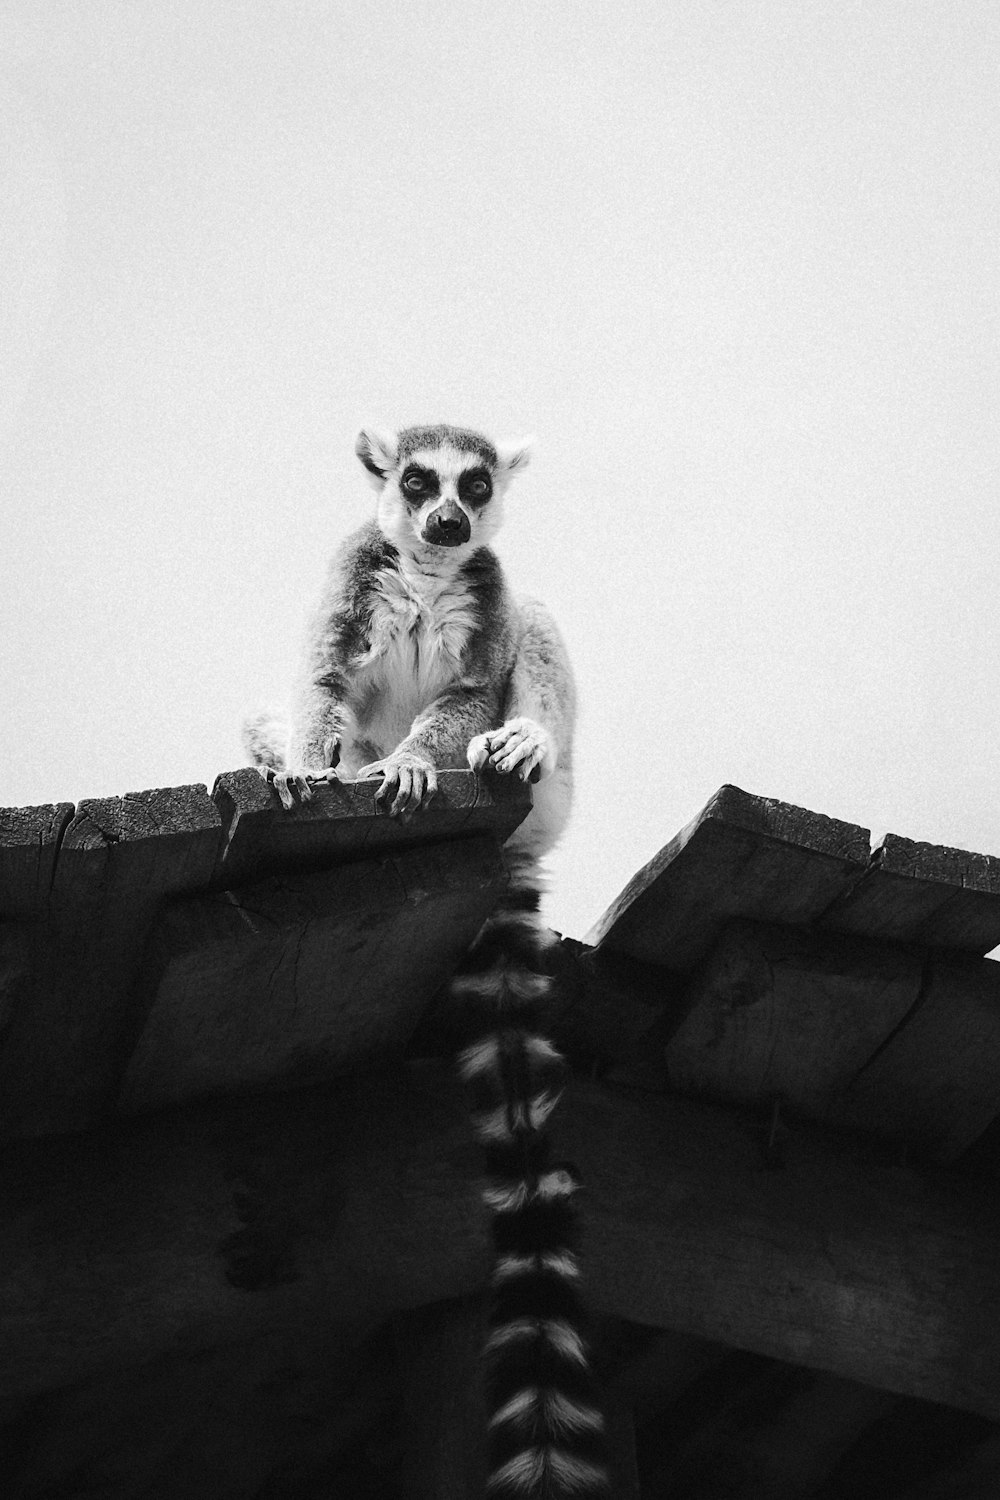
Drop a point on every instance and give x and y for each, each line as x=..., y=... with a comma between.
x=539, y=709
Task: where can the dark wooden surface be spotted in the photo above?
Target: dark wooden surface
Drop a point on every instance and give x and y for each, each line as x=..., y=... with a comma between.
x=875, y=1037
x=935, y=1084
x=193, y=983
x=927, y=894
x=754, y=857
x=225, y=1220
x=777, y=1013
x=444, y=1407
x=340, y=822
x=98, y=956
x=118, y=860
x=294, y=979
x=29, y=842
x=742, y=856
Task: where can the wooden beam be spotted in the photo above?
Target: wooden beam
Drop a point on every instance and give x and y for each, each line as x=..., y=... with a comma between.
x=203, y=1225
x=29, y=842
x=15, y=968
x=119, y=858
x=746, y=856
x=797, y=1451
x=870, y=1036
x=742, y=856
x=142, y=845
x=443, y=1429
x=262, y=838
x=301, y=977
x=77, y=1000
x=924, y=893
x=973, y=1475
x=780, y=1013
x=935, y=1084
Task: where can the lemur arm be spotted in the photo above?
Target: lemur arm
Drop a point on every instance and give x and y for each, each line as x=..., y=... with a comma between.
x=337, y=633
x=539, y=707
x=318, y=719
x=437, y=737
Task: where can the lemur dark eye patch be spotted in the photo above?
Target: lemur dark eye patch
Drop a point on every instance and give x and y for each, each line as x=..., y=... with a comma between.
x=417, y=483
x=475, y=485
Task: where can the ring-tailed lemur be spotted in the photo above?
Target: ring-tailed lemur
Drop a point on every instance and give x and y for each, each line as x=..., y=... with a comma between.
x=420, y=659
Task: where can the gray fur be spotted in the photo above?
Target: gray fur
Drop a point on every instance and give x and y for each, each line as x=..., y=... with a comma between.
x=418, y=657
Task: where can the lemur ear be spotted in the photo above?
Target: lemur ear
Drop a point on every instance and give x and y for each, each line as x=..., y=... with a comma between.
x=377, y=451
x=514, y=458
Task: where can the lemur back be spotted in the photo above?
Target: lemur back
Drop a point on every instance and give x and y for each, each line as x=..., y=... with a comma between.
x=419, y=658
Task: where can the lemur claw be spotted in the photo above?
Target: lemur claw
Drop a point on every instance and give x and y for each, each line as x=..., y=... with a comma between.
x=520, y=745
x=410, y=780
x=291, y=786
x=288, y=786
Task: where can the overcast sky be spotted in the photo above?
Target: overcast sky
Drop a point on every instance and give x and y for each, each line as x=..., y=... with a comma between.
x=734, y=264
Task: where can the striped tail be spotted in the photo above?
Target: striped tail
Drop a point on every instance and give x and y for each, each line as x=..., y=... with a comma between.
x=546, y=1429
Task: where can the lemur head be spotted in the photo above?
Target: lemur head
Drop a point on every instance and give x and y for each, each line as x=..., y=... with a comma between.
x=439, y=486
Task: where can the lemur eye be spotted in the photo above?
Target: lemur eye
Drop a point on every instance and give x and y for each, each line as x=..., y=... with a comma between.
x=479, y=487
x=414, y=483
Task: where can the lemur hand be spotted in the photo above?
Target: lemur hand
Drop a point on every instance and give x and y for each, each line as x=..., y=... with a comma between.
x=520, y=745
x=292, y=786
x=289, y=787
x=408, y=778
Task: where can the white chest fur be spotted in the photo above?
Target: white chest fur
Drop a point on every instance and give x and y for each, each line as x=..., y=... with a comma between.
x=420, y=625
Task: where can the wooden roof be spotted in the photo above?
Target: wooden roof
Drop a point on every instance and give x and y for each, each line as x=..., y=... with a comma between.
x=168, y=944
x=232, y=1125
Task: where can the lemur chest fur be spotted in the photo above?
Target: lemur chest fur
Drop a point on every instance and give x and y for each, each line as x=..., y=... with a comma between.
x=421, y=621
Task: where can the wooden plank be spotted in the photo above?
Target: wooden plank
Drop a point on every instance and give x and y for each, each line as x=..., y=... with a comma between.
x=29, y=842
x=777, y=1013
x=119, y=859
x=665, y=1367
x=971, y=1475
x=282, y=1414
x=622, y=1462
x=295, y=979
x=143, y=845
x=742, y=856
x=444, y=1411
x=340, y=821
x=358, y=1199
x=927, y=894
x=838, y=1261
x=935, y=1085
x=15, y=968
x=197, y=1228
x=794, y=1454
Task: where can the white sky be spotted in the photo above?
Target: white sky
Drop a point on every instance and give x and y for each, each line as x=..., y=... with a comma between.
x=734, y=264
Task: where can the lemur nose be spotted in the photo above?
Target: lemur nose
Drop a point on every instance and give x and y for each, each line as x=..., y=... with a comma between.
x=447, y=525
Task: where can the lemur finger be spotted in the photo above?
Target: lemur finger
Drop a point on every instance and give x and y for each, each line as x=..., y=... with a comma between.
x=478, y=752
x=512, y=751
x=525, y=750
x=280, y=780
x=529, y=768
x=390, y=782
x=404, y=796
x=498, y=738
